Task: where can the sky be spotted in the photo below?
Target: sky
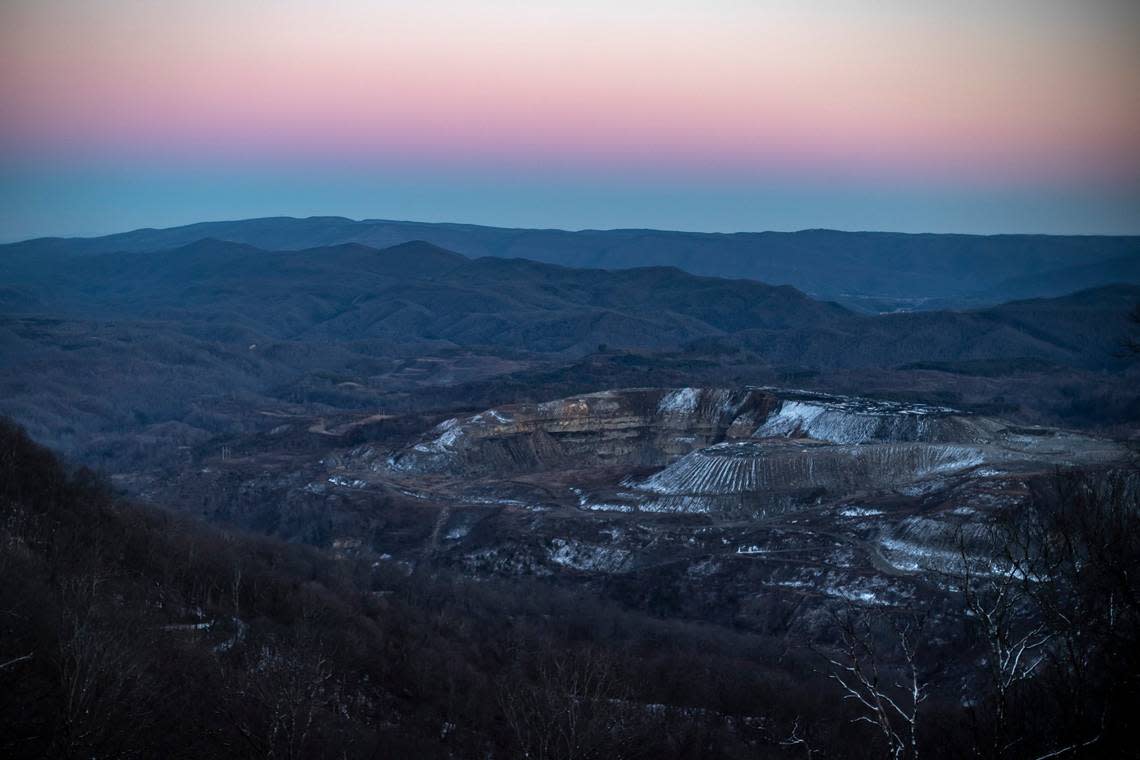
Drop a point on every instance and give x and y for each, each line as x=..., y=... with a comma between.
x=712, y=115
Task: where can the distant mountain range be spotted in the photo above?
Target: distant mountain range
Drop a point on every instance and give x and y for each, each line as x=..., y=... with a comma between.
x=105, y=346
x=418, y=296
x=412, y=293
x=869, y=271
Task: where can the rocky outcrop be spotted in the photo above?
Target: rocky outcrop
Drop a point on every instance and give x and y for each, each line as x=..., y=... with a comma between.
x=632, y=428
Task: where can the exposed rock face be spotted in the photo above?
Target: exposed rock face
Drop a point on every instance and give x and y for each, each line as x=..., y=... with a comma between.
x=749, y=452
x=635, y=428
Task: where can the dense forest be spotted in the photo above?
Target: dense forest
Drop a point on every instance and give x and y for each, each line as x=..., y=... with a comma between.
x=128, y=631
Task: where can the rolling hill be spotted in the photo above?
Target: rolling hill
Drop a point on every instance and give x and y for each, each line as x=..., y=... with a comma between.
x=875, y=271
x=110, y=353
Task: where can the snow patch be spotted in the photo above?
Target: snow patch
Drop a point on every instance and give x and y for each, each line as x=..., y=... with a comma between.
x=680, y=401
x=458, y=532
x=449, y=432
x=343, y=482
x=605, y=507
x=491, y=416
x=583, y=556
x=860, y=512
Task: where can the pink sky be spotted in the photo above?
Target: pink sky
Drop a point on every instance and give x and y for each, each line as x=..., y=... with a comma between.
x=1039, y=92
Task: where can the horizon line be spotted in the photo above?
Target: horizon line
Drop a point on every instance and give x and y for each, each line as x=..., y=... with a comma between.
x=569, y=231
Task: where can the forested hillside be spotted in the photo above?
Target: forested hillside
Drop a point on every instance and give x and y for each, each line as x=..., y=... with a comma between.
x=128, y=632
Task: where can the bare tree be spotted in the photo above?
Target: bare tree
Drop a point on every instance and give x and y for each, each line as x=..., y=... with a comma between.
x=890, y=703
x=1058, y=612
x=797, y=738
x=102, y=688
x=275, y=703
x=235, y=588
x=16, y=660
x=997, y=606
x=569, y=708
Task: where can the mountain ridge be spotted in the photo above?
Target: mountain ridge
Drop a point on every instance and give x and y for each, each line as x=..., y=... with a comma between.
x=870, y=271
x=213, y=277
x=205, y=337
